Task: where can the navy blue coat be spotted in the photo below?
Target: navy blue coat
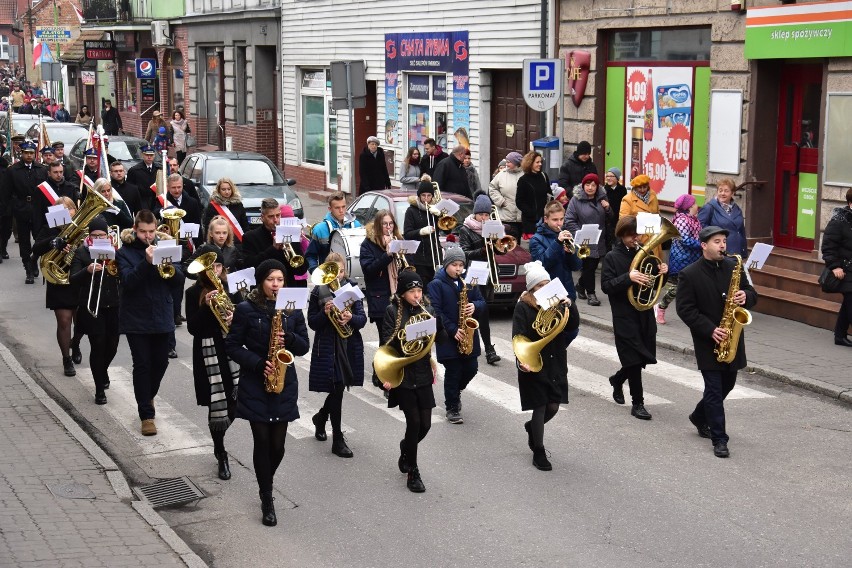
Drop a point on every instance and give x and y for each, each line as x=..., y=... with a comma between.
x=375, y=263
x=444, y=296
x=713, y=214
x=247, y=344
x=324, y=353
x=559, y=264
x=146, y=298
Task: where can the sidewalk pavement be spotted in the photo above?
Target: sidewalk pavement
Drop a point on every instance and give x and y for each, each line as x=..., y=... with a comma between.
x=64, y=501
x=785, y=350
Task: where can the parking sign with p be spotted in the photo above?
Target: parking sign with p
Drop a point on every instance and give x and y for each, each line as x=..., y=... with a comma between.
x=542, y=82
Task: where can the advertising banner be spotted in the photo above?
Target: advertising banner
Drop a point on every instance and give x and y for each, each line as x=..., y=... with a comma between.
x=812, y=29
x=659, y=105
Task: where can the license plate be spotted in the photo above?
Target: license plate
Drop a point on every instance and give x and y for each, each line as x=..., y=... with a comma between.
x=254, y=221
x=503, y=289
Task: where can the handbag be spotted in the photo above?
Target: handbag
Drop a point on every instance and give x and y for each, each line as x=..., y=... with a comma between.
x=191, y=141
x=829, y=283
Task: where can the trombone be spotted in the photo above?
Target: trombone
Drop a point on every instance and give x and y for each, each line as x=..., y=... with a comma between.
x=436, y=224
x=494, y=246
x=107, y=265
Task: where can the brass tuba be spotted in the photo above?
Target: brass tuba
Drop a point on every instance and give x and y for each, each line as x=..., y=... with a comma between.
x=279, y=356
x=56, y=264
x=221, y=305
x=326, y=275
x=643, y=297
x=548, y=324
x=390, y=363
x=734, y=318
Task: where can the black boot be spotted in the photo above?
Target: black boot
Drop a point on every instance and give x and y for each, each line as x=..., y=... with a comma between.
x=68, y=367
x=415, y=484
x=540, y=460
x=339, y=447
x=30, y=278
x=267, y=506
x=491, y=355
x=76, y=354
x=639, y=412
x=617, y=388
x=403, y=460
x=34, y=267
x=100, y=397
x=319, y=422
x=224, y=466
x=527, y=426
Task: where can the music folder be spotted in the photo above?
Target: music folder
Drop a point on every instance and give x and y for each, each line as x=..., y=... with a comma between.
x=420, y=330
x=292, y=299
x=240, y=280
x=551, y=293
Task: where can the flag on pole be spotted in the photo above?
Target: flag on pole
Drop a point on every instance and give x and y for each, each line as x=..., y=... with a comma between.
x=41, y=52
x=79, y=14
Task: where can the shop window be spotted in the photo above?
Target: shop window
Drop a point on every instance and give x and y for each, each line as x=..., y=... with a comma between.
x=427, y=109
x=4, y=48
x=685, y=44
x=241, y=84
x=175, y=63
x=313, y=129
x=130, y=104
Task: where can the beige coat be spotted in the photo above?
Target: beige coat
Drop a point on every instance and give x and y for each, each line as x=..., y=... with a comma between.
x=502, y=191
x=632, y=204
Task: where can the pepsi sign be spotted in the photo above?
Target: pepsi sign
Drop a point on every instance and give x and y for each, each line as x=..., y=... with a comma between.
x=146, y=68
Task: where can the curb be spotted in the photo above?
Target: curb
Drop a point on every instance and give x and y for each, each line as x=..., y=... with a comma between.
x=113, y=474
x=807, y=383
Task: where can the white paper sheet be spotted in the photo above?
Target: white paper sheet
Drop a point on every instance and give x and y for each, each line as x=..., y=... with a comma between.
x=57, y=216
x=102, y=251
x=588, y=235
x=477, y=275
x=189, y=230
x=405, y=247
x=447, y=207
x=421, y=329
x=758, y=256
x=648, y=223
x=167, y=252
x=288, y=233
x=551, y=293
x=493, y=230
x=241, y=279
x=292, y=299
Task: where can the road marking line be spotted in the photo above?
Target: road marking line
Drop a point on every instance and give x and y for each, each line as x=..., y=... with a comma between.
x=176, y=434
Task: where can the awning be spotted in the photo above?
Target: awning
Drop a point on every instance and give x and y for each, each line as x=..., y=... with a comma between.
x=815, y=29
x=74, y=52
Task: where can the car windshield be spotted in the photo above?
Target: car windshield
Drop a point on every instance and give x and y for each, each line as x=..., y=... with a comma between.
x=121, y=150
x=67, y=135
x=22, y=123
x=243, y=172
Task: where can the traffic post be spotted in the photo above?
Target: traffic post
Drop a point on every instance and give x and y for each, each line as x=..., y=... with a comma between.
x=542, y=83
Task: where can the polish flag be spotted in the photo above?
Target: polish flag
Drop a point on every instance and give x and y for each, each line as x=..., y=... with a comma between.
x=79, y=14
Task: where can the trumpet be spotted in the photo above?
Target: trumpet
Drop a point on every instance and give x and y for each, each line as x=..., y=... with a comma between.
x=165, y=268
x=583, y=251
x=293, y=259
x=401, y=261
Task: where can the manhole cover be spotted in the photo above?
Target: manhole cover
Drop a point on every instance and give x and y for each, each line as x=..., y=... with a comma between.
x=170, y=492
x=71, y=490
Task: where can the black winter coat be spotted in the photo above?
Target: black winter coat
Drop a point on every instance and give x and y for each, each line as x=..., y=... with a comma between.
x=57, y=296
x=130, y=194
x=247, y=344
x=552, y=380
x=416, y=219
x=444, y=295
x=139, y=176
x=110, y=297
x=614, y=195
x=375, y=263
x=327, y=352
x=419, y=373
x=146, y=298
x=473, y=244
x=373, y=170
x=452, y=177
x=111, y=121
x=837, y=244
x=701, y=291
x=533, y=194
x=23, y=189
x=429, y=163
x=573, y=171
x=202, y=324
x=258, y=245
x=62, y=189
x=635, y=331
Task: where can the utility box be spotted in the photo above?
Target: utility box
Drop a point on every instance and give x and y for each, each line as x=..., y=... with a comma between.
x=551, y=150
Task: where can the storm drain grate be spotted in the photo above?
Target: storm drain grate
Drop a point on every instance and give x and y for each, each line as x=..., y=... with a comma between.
x=175, y=491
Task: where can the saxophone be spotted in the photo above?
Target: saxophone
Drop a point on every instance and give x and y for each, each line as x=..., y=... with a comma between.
x=734, y=318
x=279, y=355
x=468, y=325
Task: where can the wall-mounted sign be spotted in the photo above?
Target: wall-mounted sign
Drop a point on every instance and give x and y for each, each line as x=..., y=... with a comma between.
x=149, y=93
x=53, y=34
x=88, y=77
x=542, y=83
x=812, y=29
x=146, y=68
x=579, y=62
x=99, y=50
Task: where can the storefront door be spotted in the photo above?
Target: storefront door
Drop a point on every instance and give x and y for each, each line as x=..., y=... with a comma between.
x=513, y=124
x=799, y=135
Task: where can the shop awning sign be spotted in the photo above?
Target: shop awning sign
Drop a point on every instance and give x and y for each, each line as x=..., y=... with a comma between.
x=815, y=29
x=542, y=83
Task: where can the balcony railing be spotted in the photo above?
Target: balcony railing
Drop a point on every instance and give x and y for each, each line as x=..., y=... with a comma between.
x=100, y=10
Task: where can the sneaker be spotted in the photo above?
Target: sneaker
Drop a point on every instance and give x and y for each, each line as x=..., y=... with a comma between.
x=415, y=484
x=454, y=417
x=540, y=460
x=593, y=300
x=639, y=412
x=148, y=427
x=660, y=313
x=68, y=367
x=491, y=355
x=703, y=429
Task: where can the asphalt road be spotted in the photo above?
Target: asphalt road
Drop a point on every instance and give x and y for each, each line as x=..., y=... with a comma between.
x=622, y=492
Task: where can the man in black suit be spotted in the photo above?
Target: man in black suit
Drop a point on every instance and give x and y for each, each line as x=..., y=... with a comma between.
x=23, y=178
x=177, y=198
x=143, y=175
x=56, y=182
x=702, y=291
x=259, y=244
x=128, y=192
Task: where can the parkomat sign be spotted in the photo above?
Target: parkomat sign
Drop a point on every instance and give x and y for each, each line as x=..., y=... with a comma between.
x=815, y=29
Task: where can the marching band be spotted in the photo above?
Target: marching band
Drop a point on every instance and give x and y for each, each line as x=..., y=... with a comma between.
x=244, y=344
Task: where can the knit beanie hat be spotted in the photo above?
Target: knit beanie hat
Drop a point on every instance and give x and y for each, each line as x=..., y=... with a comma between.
x=584, y=148
x=425, y=187
x=535, y=273
x=264, y=268
x=591, y=177
x=616, y=172
x=684, y=202
x=287, y=212
x=98, y=224
x=408, y=280
x=558, y=192
x=453, y=254
x=482, y=205
x=514, y=157
x=162, y=130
